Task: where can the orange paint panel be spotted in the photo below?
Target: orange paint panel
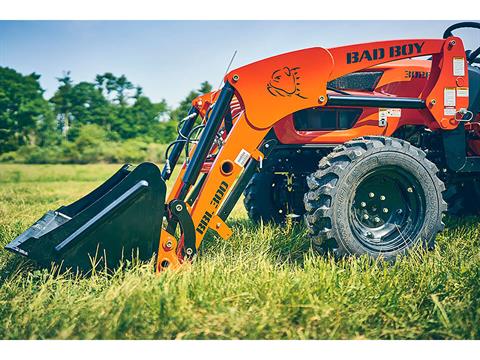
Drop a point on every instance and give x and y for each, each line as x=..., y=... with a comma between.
x=271, y=89
x=442, y=79
x=217, y=184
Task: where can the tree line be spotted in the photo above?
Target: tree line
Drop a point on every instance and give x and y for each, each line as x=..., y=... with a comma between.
x=109, y=119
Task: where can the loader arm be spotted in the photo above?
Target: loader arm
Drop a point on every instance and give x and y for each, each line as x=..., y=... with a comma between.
x=269, y=90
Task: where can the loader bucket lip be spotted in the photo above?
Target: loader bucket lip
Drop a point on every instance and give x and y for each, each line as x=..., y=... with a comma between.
x=121, y=217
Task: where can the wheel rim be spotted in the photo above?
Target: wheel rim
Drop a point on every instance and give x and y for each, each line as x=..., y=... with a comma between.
x=387, y=210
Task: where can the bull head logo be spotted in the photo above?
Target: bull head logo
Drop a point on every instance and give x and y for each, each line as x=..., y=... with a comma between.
x=285, y=82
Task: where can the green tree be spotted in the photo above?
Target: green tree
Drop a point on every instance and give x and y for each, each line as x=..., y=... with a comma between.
x=89, y=106
x=118, y=87
x=25, y=116
x=62, y=102
x=141, y=119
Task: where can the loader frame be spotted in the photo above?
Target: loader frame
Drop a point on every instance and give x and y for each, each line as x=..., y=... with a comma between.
x=266, y=97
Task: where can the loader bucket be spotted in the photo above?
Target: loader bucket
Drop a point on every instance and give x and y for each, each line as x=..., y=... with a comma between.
x=119, y=219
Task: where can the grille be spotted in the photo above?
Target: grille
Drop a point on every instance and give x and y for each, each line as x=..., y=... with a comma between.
x=363, y=81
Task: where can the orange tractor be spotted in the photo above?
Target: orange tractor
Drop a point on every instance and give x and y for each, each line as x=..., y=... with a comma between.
x=366, y=142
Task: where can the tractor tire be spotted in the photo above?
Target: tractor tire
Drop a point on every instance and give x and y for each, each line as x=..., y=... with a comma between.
x=375, y=196
x=268, y=199
x=258, y=199
x=463, y=198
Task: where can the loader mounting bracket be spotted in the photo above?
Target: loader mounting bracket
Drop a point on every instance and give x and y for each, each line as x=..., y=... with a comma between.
x=454, y=144
x=179, y=211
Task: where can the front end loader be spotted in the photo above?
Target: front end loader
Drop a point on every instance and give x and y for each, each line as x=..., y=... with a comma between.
x=358, y=140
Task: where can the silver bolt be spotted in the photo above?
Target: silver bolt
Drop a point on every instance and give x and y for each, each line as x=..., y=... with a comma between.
x=267, y=146
x=363, y=204
x=385, y=210
x=433, y=102
x=321, y=99
x=178, y=207
x=371, y=195
x=365, y=217
x=369, y=234
x=189, y=251
x=280, y=211
x=377, y=219
x=218, y=225
x=410, y=190
x=235, y=77
x=382, y=197
x=168, y=244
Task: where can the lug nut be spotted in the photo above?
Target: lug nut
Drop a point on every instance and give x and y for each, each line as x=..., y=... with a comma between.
x=365, y=217
x=377, y=219
x=280, y=211
x=385, y=210
x=382, y=197
x=363, y=204
x=369, y=234
x=410, y=190
x=371, y=195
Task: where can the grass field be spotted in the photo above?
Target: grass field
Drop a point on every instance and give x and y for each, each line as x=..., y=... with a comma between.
x=263, y=283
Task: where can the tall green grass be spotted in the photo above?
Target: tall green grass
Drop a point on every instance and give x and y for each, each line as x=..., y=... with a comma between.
x=263, y=283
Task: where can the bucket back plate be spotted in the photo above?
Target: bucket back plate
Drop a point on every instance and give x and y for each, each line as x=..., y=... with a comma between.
x=119, y=220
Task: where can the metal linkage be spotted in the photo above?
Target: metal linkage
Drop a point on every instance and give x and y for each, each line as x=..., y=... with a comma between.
x=206, y=139
x=179, y=143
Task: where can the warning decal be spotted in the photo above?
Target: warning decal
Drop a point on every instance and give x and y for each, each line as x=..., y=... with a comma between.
x=242, y=157
x=458, y=66
x=449, y=111
x=394, y=112
x=462, y=92
x=449, y=97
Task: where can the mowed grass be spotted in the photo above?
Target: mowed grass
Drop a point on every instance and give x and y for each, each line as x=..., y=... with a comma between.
x=263, y=283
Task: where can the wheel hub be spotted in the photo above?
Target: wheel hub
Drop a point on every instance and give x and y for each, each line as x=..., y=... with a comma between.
x=386, y=209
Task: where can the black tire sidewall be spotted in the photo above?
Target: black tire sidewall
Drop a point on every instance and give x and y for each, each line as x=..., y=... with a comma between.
x=261, y=206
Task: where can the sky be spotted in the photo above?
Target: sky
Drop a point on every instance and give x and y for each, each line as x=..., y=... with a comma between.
x=170, y=58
